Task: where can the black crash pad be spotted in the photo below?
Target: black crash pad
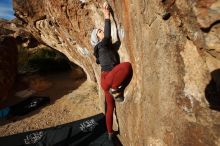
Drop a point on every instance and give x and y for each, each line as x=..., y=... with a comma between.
x=86, y=132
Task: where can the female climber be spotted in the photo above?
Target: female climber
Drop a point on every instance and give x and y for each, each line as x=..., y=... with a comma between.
x=115, y=76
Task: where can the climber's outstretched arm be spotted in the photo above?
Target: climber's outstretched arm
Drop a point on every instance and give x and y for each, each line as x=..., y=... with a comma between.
x=107, y=27
x=106, y=10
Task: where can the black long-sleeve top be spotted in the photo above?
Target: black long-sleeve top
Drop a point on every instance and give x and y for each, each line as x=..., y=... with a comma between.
x=106, y=54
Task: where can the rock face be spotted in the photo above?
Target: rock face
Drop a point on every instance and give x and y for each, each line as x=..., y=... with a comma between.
x=173, y=99
x=14, y=28
x=8, y=66
x=11, y=35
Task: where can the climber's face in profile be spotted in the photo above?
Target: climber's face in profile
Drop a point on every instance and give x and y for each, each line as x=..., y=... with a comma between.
x=100, y=34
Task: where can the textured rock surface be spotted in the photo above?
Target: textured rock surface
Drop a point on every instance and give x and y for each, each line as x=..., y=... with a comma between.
x=9, y=30
x=175, y=62
x=8, y=66
x=16, y=29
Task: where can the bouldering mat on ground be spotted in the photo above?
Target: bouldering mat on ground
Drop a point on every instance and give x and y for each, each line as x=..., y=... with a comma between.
x=86, y=132
x=24, y=107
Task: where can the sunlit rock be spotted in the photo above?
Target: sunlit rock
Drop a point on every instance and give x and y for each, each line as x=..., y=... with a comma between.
x=168, y=100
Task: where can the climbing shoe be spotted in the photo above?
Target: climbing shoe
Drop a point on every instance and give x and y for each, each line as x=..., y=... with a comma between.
x=119, y=98
x=117, y=94
x=111, y=137
x=166, y=15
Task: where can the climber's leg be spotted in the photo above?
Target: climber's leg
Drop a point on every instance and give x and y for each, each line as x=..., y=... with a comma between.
x=109, y=102
x=113, y=79
x=119, y=74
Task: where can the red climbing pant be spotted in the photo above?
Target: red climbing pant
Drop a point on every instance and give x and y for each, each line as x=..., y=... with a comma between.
x=113, y=79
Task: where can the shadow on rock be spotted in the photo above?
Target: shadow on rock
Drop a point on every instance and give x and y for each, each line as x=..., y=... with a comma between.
x=212, y=91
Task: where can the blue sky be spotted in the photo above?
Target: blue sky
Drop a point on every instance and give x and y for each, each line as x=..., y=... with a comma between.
x=6, y=10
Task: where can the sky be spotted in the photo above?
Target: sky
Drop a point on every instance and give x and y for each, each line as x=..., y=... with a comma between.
x=6, y=10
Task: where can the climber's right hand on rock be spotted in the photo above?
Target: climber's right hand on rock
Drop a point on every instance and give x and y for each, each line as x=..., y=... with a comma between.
x=106, y=12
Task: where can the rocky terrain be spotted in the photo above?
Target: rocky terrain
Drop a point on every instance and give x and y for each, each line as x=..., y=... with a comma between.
x=29, y=68
x=173, y=98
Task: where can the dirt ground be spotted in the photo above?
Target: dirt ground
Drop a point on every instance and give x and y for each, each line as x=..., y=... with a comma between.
x=72, y=98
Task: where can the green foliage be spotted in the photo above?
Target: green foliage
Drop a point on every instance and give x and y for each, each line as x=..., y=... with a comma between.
x=48, y=61
x=43, y=60
x=23, y=56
